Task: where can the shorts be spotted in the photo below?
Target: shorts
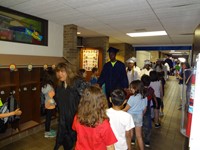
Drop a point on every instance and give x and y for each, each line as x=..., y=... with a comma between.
x=138, y=119
x=159, y=103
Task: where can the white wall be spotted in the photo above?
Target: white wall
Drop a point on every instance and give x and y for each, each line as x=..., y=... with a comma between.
x=141, y=57
x=54, y=48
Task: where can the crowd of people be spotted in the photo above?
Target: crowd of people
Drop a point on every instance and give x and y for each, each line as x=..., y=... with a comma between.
x=110, y=111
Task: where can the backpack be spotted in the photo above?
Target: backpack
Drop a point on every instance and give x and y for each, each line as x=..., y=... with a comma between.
x=12, y=106
x=4, y=121
x=9, y=106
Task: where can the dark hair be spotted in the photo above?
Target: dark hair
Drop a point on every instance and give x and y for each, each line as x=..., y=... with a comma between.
x=81, y=72
x=138, y=86
x=146, y=80
x=94, y=69
x=186, y=64
x=153, y=76
x=48, y=78
x=118, y=97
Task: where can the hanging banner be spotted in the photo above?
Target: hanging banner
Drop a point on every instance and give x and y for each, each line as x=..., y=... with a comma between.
x=90, y=59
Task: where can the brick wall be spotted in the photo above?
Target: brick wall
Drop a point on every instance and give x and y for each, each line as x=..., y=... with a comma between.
x=101, y=43
x=70, y=51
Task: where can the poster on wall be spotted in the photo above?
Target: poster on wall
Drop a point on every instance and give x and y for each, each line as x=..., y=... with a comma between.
x=90, y=59
x=19, y=27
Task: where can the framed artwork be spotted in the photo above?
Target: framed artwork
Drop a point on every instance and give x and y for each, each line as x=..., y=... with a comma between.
x=19, y=27
x=90, y=59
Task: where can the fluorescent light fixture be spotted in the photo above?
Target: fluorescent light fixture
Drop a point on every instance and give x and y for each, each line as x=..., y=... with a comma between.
x=182, y=59
x=141, y=34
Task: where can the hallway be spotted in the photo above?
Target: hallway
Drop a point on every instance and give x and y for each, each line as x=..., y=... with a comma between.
x=168, y=137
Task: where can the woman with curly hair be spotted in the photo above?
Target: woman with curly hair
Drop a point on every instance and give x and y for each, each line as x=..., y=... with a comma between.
x=91, y=122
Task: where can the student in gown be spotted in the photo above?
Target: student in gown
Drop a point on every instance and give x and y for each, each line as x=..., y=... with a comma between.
x=113, y=74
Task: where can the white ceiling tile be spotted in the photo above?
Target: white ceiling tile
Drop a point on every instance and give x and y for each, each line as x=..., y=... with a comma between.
x=10, y=3
x=117, y=17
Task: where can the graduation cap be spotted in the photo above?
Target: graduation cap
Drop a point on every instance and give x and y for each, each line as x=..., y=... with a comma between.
x=112, y=49
x=147, y=62
x=131, y=60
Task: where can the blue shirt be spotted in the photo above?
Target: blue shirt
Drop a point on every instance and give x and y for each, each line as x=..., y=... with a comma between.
x=137, y=104
x=93, y=80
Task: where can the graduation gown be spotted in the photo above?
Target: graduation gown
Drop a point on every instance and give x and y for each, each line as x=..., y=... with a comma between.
x=113, y=77
x=67, y=101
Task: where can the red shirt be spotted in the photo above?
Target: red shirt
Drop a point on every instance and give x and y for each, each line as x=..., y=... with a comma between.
x=93, y=138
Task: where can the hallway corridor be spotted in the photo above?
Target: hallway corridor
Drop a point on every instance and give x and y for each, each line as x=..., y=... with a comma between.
x=168, y=137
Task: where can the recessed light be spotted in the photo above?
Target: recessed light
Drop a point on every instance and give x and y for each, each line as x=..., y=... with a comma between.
x=142, y=34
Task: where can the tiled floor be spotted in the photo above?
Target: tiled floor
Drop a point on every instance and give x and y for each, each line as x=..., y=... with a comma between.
x=168, y=137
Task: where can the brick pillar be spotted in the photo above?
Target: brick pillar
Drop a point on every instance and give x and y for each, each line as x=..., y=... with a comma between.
x=70, y=51
x=99, y=43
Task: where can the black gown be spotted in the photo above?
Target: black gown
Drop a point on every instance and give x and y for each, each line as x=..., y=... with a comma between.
x=67, y=101
x=113, y=77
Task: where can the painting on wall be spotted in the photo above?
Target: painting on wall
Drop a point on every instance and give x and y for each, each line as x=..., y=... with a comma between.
x=90, y=59
x=19, y=27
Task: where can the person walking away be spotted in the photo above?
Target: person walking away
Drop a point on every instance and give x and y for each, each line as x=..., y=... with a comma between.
x=50, y=104
x=136, y=106
x=91, y=122
x=121, y=122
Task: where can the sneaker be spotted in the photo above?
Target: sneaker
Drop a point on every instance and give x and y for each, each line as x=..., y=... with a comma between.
x=53, y=131
x=157, y=125
x=147, y=144
x=49, y=135
x=132, y=142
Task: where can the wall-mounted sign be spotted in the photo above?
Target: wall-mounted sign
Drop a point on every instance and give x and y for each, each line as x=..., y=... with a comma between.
x=53, y=66
x=12, y=67
x=45, y=66
x=30, y=67
x=90, y=59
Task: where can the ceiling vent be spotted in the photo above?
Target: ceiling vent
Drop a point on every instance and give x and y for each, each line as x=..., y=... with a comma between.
x=186, y=34
x=140, y=30
x=183, y=5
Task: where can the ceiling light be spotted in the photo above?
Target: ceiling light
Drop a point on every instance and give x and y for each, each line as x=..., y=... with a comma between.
x=181, y=59
x=78, y=33
x=141, y=34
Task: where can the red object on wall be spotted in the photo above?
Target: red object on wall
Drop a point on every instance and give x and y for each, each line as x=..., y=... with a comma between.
x=6, y=34
x=190, y=108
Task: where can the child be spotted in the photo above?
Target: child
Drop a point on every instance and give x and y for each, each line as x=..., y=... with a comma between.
x=48, y=91
x=136, y=106
x=91, y=122
x=149, y=92
x=121, y=122
x=17, y=112
x=94, y=78
x=82, y=73
x=157, y=86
